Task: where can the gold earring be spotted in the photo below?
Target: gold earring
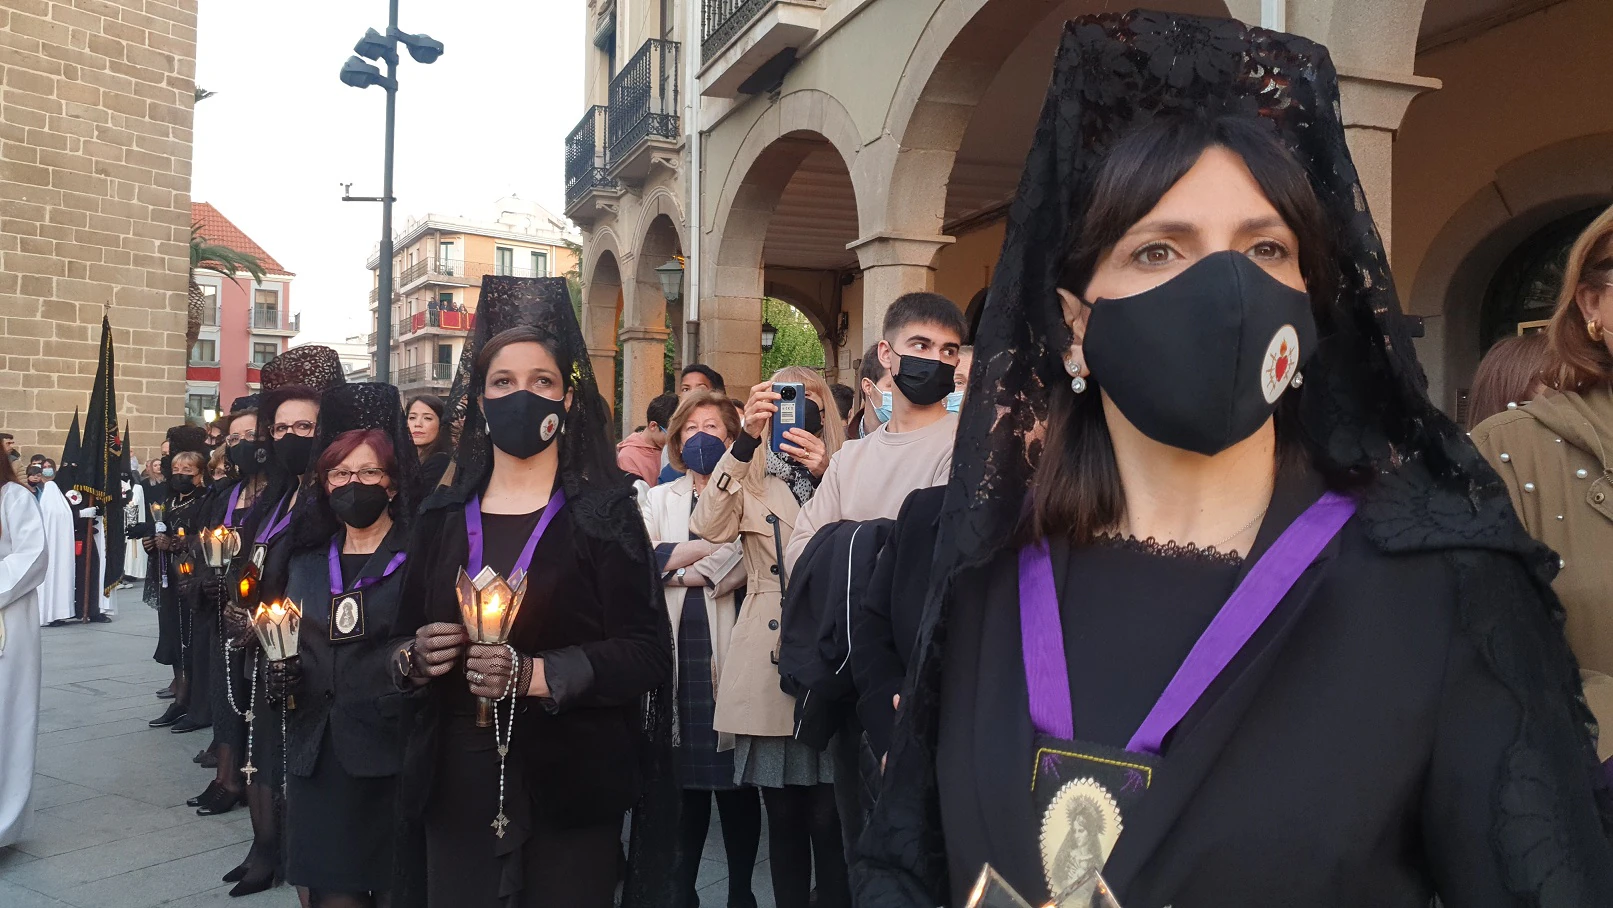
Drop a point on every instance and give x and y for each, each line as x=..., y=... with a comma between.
x=1593, y=327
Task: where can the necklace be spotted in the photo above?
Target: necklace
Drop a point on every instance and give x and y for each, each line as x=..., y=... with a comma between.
x=1245, y=528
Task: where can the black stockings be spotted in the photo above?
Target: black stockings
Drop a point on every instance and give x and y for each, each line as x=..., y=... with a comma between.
x=803, y=825
x=315, y=898
x=741, y=814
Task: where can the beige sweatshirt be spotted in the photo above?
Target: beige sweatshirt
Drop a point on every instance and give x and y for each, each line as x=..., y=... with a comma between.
x=870, y=478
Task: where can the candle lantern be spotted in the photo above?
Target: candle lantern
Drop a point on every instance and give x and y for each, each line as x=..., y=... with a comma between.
x=220, y=545
x=277, y=625
x=488, y=604
x=158, y=511
x=992, y=891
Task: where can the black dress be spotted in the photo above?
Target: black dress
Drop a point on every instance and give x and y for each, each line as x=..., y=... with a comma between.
x=174, y=619
x=344, y=744
x=227, y=682
x=1346, y=757
x=593, y=613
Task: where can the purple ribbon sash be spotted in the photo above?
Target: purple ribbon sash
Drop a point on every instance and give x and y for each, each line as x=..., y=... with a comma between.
x=336, y=588
x=473, y=532
x=229, y=507
x=277, y=524
x=1042, y=635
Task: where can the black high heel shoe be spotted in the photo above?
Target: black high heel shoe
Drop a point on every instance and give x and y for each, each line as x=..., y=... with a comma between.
x=250, y=886
x=208, y=794
x=223, y=801
x=236, y=875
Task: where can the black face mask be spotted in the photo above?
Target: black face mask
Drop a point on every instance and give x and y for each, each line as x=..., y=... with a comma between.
x=359, y=505
x=522, y=424
x=1200, y=361
x=293, y=451
x=182, y=483
x=924, y=382
x=248, y=457
x=811, y=417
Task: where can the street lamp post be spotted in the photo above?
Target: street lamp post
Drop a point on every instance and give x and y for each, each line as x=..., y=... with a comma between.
x=359, y=74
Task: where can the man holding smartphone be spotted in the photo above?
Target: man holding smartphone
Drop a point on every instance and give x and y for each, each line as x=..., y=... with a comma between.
x=870, y=478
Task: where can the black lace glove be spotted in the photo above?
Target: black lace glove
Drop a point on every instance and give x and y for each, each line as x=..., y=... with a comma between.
x=212, y=588
x=237, y=626
x=284, y=680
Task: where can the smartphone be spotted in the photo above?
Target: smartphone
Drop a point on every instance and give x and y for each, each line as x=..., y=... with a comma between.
x=791, y=410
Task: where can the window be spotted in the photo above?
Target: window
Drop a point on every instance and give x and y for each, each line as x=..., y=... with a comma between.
x=201, y=407
x=204, y=353
x=445, y=353
x=263, y=351
x=209, y=305
x=503, y=260
x=447, y=259
x=265, y=308
x=445, y=300
x=540, y=264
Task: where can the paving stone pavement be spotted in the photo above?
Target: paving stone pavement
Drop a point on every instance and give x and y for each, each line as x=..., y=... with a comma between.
x=111, y=829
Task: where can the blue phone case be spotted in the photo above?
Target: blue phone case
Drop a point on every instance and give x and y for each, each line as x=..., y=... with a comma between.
x=791, y=413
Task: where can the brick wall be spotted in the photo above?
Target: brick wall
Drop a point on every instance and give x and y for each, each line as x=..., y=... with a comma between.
x=96, y=99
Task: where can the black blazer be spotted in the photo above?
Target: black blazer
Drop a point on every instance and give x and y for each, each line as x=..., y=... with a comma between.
x=1349, y=756
x=593, y=611
x=346, y=687
x=886, y=628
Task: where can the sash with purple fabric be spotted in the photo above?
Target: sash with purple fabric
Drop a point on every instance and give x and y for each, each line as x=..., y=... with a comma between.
x=347, y=600
x=1083, y=790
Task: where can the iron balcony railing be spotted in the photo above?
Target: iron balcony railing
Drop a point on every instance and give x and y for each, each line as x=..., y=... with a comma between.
x=446, y=319
x=586, y=155
x=721, y=20
x=426, y=373
x=644, y=98
x=267, y=317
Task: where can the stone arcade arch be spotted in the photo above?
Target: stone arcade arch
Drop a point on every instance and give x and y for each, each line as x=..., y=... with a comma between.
x=602, y=308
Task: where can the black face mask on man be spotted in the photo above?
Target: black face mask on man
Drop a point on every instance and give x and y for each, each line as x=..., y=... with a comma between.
x=359, y=505
x=523, y=424
x=1200, y=361
x=293, y=451
x=924, y=382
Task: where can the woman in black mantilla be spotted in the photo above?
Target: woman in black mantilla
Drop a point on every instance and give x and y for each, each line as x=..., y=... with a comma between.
x=166, y=590
x=344, y=740
x=536, y=489
x=1388, y=712
x=288, y=414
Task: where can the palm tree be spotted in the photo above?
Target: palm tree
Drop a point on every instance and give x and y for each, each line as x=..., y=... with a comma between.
x=218, y=259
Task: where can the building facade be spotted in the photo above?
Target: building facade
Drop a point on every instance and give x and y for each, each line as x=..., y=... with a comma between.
x=838, y=153
x=95, y=152
x=245, y=324
x=438, y=265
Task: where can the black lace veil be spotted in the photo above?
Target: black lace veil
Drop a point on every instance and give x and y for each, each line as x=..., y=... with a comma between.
x=344, y=408
x=1363, y=405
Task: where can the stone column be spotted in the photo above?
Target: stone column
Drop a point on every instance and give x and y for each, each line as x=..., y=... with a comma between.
x=603, y=361
x=1373, y=104
x=893, y=264
x=731, y=339
x=643, y=368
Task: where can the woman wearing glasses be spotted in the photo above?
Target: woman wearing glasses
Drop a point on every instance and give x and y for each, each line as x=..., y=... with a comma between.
x=288, y=413
x=343, y=738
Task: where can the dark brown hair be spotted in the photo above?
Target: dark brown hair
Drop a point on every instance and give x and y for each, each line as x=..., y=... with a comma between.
x=443, y=443
x=1076, y=492
x=1575, y=361
x=521, y=334
x=1506, y=375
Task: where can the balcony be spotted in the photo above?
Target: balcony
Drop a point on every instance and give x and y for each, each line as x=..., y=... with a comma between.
x=266, y=320
x=643, y=123
x=447, y=272
x=437, y=321
x=588, y=181
x=425, y=375
x=739, y=37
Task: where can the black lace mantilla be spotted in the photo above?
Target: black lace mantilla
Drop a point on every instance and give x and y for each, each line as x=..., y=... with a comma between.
x=1363, y=405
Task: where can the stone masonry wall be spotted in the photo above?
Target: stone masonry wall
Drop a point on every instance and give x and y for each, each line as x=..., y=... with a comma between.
x=96, y=100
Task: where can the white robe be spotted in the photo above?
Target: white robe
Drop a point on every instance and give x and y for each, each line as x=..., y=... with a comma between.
x=109, y=603
x=56, y=593
x=22, y=570
x=134, y=554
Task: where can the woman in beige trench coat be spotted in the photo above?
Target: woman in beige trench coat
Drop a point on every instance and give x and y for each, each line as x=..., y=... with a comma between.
x=754, y=496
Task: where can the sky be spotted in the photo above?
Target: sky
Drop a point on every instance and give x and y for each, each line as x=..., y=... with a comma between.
x=274, y=145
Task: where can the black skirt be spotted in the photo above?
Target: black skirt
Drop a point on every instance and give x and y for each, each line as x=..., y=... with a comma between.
x=339, y=828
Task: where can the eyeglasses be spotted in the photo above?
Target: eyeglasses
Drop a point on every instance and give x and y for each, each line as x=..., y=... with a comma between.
x=369, y=476
x=235, y=439
x=301, y=427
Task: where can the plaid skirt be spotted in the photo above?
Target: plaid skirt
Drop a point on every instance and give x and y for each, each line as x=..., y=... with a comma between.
x=700, y=765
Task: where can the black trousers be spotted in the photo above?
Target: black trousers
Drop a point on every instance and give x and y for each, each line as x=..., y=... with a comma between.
x=204, y=664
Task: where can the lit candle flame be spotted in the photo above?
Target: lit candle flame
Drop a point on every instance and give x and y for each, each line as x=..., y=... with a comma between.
x=493, y=608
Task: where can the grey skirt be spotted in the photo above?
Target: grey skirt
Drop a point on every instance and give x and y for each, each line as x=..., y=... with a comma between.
x=774, y=762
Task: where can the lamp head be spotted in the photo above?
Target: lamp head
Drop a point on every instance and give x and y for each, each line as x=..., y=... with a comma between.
x=422, y=47
x=671, y=277
x=358, y=74
x=769, y=335
x=376, y=46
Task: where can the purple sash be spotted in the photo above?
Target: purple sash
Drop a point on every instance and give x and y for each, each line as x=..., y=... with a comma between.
x=229, y=507
x=473, y=532
x=277, y=524
x=363, y=582
x=1042, y=636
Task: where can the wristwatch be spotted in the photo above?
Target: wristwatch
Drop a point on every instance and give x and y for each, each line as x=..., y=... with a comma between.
x=680, y=572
